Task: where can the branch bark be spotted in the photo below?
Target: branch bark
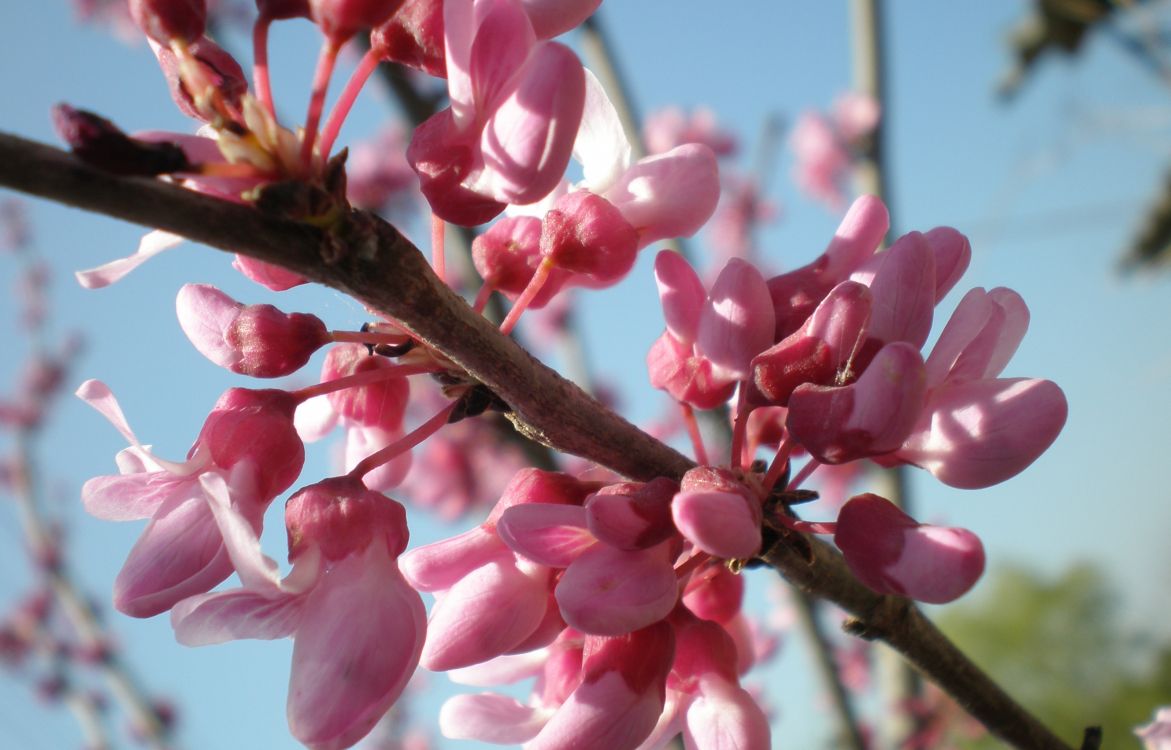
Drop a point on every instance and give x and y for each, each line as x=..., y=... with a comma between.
x=370, y=260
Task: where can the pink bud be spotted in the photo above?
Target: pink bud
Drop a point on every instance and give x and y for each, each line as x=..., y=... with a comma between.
x=340, y=515
x=714, y=593
x=217, y=65
x=717, y=514
x=413, y=36
x=378, y=404
x=281, y=9
x=167, y=20
x=268, y=275
x=507, y=255
x=632, y=515
x=585, y=234
x=256, y=340
x=894, y=554
x=256, y=426
x=341, y=19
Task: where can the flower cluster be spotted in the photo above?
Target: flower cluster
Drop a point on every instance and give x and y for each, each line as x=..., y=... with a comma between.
x=621, y=598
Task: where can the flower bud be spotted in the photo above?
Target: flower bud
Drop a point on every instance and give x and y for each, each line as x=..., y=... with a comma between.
x=170, y=20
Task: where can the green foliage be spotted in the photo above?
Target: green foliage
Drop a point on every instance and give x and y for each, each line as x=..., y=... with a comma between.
x=1057, y=646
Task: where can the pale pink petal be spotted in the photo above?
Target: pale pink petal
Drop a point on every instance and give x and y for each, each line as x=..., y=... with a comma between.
x=669, y=195
x=232, y=615
x=723, y=524
x=724, y=717
x=855, y=114
x=939, y=564
x=953, y=253
x=485, y=614
x=315, y=418
x=979, y=433
x=601, y=146
x=612, y=592
x=361, y=441
x=179, y=554
x=98, y=395
x=268, y=275
x=980, y=337
x=681, y=294
x=440, y=565
x=503, y=670
x=488, y=717
x=604, y=713
x=357, y=644
x=737, y=321
x=151, y=245
x=553, y=17
x=459, y=29
x=129, y=497
x=205, y=314
x=257, y=571
x=551, y=535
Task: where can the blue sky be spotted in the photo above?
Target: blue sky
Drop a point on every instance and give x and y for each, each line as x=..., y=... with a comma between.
x=1049, y=188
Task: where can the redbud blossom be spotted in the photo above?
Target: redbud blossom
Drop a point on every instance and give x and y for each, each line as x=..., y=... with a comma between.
x=1157, y=734
x=256, y=340
x=248, y=443
x=357, y=626
x=894, y=554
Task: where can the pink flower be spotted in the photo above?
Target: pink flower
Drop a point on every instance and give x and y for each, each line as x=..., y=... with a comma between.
x=357, y=626
x=711, y=337
x=1157, y=734
x=516, y=104
x=256, y=340
x=671, y=127
x=823, y=146
x=248, y=444
x=894, y=554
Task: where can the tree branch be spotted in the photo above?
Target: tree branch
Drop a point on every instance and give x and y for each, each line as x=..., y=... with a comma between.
x=370, y=260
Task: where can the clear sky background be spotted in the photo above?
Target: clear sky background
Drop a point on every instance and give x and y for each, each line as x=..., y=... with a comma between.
x=1050, y=189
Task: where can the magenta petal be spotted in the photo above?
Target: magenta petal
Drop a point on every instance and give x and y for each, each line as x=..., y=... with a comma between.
x=737, y=321
x=902, y=284
x=356, y=646
x=869, y=417
x=893, y=554
x=939, y=564
x=205, y=314
x=611, y=592
x=485, y=614
x=504, y=38
x=982, y=432
x=231, y=615
x=551, y=535
x=528, y=140
x=669, y=195
x=180, y=554
x=681, y=294
x=723, y=524
x=488, y=717
x=953, y=253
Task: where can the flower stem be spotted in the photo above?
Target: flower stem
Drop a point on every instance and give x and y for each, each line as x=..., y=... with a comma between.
x=804, y=474
x=359, y=379
x=740, y=428
x=694, y=433
x=405, y=443
x=780, y=461
x=438, y=247
x=325, y=62
x=260, y=64
x=526, y=297
x=345, y=102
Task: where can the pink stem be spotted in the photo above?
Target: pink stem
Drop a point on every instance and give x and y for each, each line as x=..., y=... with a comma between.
x=405, y=443
x=438, y=256
x=740, y=427
x=341, y=110
x=804, y=474
x=367, y=337
x=321, y=76
x=780, y=461
x=260, y=64
x=482, y=298
x=526, y=297
x=359, y=379
x=694, y=434
x=807, y=527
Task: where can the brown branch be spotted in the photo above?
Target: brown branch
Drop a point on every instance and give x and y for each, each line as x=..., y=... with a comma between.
x=370, y=260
